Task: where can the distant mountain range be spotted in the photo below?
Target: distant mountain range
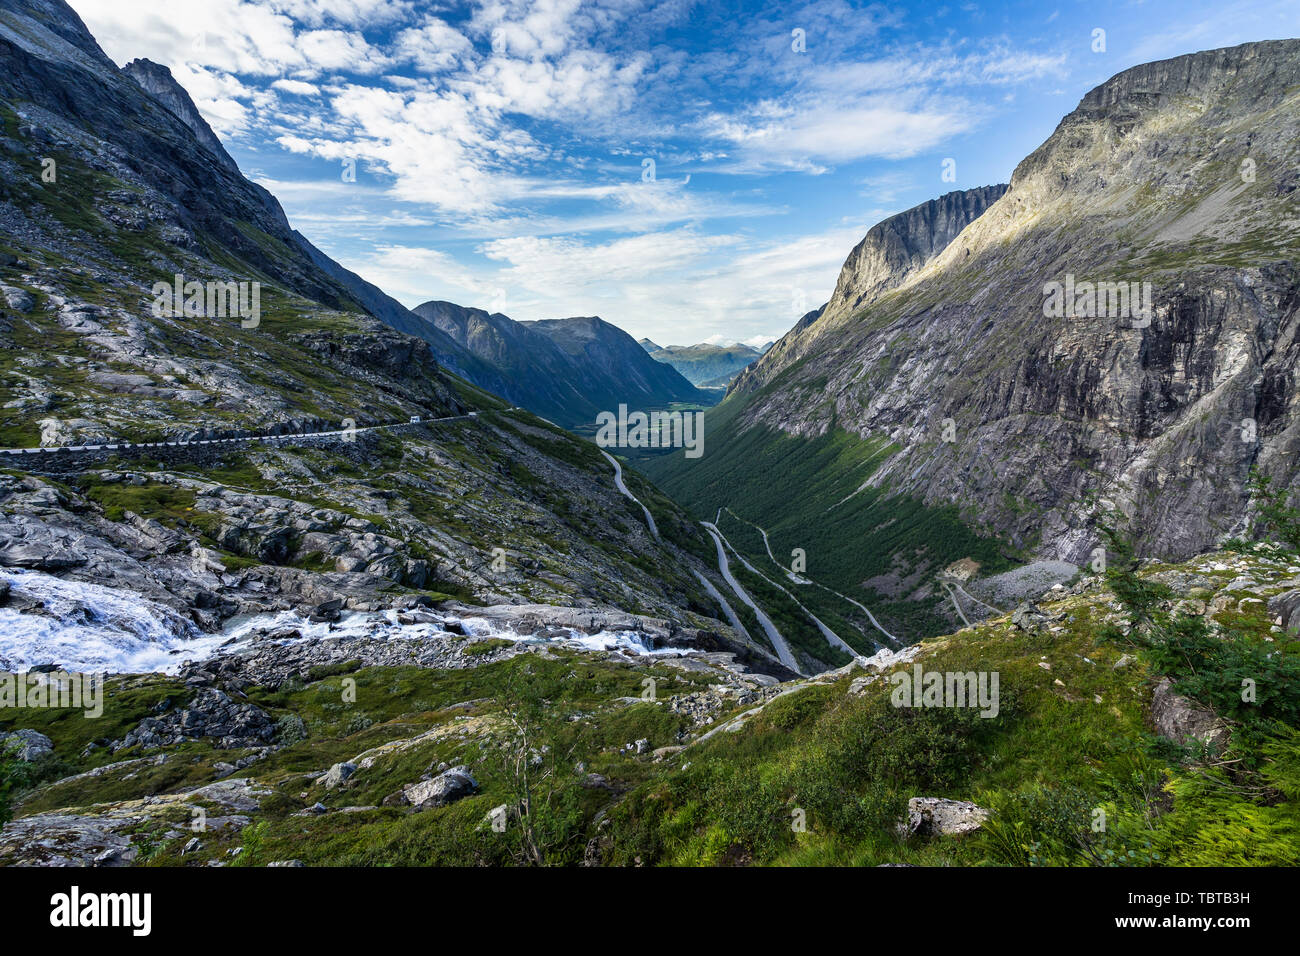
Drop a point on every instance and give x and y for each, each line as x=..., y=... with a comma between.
x=706, y=365
x=566, y=370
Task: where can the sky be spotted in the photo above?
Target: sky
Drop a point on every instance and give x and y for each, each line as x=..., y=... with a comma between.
x=691, y=172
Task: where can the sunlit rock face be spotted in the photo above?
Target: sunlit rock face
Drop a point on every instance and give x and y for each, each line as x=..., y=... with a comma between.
x=1180, y=174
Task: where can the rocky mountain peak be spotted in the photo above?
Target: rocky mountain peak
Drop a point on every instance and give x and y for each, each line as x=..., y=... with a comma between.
x=891, y=252
x=157, y=80
x=52, y=30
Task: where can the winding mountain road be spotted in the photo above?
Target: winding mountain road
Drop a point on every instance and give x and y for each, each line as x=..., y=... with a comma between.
x=618, y=483
x=807, y=580
x=832, y=638
x=724, y=567
x=732, y=617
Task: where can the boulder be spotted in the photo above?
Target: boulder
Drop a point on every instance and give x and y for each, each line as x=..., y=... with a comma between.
x=927, y=816
x=448, y=787
x=1027, y=617
x=337, y=774
x=1285, y=610
x=25, y=745
x=1182, y=720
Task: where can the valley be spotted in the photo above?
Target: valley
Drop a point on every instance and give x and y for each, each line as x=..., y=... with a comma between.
x=369, y=585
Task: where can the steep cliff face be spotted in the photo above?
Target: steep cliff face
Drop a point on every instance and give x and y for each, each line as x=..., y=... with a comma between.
x=1182, y=174
x=887, y=256
x=156, y=80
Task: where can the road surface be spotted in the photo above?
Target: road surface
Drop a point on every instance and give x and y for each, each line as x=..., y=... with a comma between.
x=123, y=446
x=618, y=483
x=832, y=638
x=732, y=617
x=778, y=642
x=807, y=580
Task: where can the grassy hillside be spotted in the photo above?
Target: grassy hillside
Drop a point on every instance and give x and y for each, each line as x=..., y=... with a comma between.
x=1069, y=768
x=809, y=493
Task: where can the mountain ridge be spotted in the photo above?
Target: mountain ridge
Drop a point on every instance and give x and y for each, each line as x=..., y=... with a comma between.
x=1048, y=411
x=568, y=370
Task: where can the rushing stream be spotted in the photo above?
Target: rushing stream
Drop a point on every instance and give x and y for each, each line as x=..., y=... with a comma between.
x=88, y=627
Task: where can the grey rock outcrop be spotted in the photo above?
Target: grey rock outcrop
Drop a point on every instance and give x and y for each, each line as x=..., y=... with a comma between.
x=1183, y=721
x=889, y=254
x=931, y=816
x=447, y=787
x=25, y=745
x=1285, y=609
x=211, y=713
x=337, y=775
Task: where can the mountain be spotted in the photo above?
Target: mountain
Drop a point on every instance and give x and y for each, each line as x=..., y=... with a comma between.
x=705, y=364
x=567, y=370
x=937, y=409
x=647, y=345
x=890, y=252
x=360, y=611
x=488, y=504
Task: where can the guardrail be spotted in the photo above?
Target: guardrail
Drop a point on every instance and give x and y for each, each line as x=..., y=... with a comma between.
x=134, y=446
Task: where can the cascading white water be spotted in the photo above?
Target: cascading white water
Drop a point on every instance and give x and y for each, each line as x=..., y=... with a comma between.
x=88, y=627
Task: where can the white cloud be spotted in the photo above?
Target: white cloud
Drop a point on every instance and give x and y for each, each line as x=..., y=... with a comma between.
x=522, y=128
x=297, y=87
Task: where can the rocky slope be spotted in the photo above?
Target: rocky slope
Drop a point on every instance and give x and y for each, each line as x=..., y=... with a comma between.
x=302, y=750
x=484, y=504
x=1180, y=173
x=890, y=252
x=566, y=370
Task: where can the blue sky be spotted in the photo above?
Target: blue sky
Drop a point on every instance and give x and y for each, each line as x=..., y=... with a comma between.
x=502, y=150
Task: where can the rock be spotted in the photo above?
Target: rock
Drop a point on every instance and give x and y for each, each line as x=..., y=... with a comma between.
x=927, y=816
x=1181, y=720
x=447, y=787
x=327, y=611
x=337, y=774
x=211, y=713
x=643, y=746
x=1027, y=617
x=859, y=685
x=17, y=299
x=191, y=846
x=1285, y=610
x=596, y=781
x=26, y=745
x=286, y=863
x=501, y=813
x=40, y=557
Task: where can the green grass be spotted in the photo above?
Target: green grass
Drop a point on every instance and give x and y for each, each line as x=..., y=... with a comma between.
x=808, y=494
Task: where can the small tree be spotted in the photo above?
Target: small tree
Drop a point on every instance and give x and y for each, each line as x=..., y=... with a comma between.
x=13, y=778
x=538, y=769
x=1275, y=514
